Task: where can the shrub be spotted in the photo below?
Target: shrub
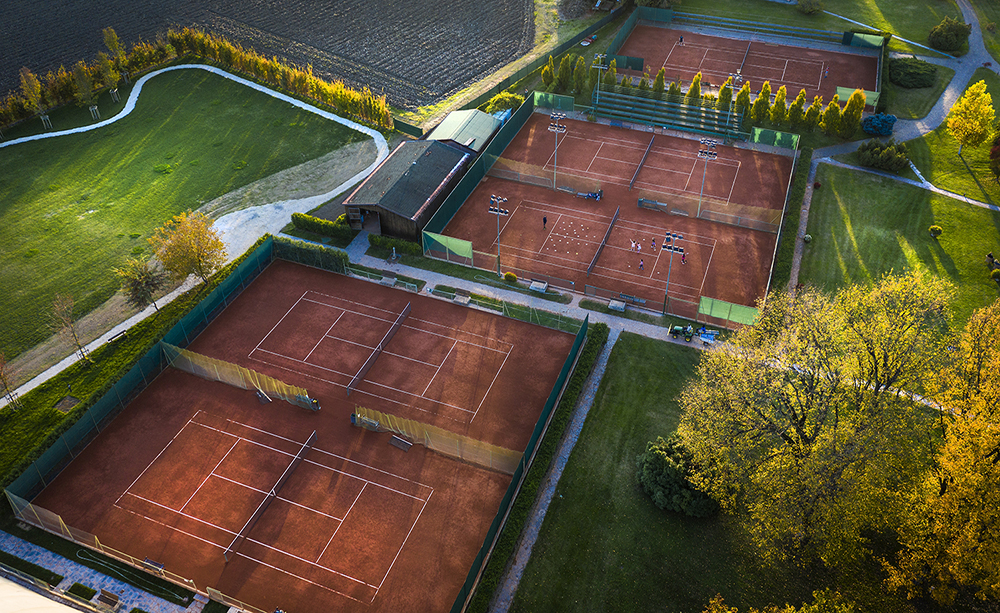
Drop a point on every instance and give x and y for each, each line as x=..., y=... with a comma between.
x=504, y=101
x=402, y=246
x=510, y=277
x=807, y=238
x=663, y=471
x=81, y=590
x=995, y=275
x=879, y=124
x=911, y=73
x=949, y=35
x=810, y=7
x=28, y=568
x=935, y=231
x=323, y=227
x=889, y=156
x=311, y=254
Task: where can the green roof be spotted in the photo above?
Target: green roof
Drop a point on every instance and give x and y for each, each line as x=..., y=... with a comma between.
x=471, y=128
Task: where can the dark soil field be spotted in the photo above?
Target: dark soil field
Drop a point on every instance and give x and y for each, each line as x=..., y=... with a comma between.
x=415, y=52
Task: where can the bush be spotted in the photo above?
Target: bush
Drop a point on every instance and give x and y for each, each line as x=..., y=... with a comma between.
x=890, y=156
x=510, y=277
x=949, y=35
x=935, y=231
x=911, y=73
x=810, y=7
x=28, y=568
x=504, y=101
x=81, y=590
x=402, y=246
x=323, y=227
x=879, y=124
x=995, y=275
x=663, y=471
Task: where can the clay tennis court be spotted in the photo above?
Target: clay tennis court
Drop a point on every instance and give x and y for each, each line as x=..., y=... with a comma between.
x=359, y=525
x=814, y=70
x=721, y=261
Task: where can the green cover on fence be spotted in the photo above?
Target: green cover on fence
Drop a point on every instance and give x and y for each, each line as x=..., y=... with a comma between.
x=627, y=61
x=406, y=128
x=447, y=244
x=727, y=310
x=546, y=100
x=864, y=41
x=775, y=138
x=871, y=98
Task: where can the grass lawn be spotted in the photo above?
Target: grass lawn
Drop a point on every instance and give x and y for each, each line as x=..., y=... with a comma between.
x=916, y=103
x=604, y=546
x=911, y=19
x=864, y=225
x=74, y=207
x=936, y=155
x=989, y=13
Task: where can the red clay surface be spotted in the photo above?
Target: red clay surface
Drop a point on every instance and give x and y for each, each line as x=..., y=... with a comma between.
x=721, y=261
x=816, y=71
x=359, y=525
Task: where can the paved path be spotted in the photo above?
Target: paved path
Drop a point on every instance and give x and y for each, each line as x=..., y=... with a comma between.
x=904, y=130
x=73, y=572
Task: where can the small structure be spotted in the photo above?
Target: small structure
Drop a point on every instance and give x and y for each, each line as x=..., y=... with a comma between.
x=407, y=188
x=471, y=128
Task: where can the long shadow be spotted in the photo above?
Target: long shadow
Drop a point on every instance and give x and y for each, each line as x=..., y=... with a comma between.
x=982, y=188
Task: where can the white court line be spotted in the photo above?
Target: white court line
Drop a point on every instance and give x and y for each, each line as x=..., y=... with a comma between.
x=209, y=475
x=707, y=266
x=439, y=370
x=412, y=526
x=688, y=182
x=729, y=199
x=280, y=320
x=156, y=458
x=783, y=71
x=325, y=335
x=596, y=153
x=481, y=402
x=551, y=232
x=822, y=71
x=504, y=226
x=337, y=529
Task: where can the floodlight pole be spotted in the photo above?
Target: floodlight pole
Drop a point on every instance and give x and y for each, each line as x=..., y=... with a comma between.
x=668, y=246
x=599, y=62
x=556, y=128
x=495, y=202
x=707, y=153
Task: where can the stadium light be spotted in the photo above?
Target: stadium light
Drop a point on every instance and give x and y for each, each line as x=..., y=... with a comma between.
x=495, y=202
x=556, y=128
x=706, y=153
x=599, y=59
x=669, y=245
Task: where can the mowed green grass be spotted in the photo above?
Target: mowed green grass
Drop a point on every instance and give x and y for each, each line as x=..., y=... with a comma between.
x=916, y=103
x=605, y=547
x=74, y=207
x=936, y=155
x=988, y=12
x=911, y=19
x=863, y=225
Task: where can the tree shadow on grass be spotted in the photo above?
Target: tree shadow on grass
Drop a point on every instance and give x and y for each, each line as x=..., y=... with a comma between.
x=982, y=188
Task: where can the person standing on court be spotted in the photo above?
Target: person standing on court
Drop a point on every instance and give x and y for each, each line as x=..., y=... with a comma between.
x=682, y=42
x=545, y=220
x=641, y=265
x=684, y=258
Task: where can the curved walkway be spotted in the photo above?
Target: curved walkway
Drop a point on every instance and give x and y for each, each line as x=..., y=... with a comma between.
x=906, y=129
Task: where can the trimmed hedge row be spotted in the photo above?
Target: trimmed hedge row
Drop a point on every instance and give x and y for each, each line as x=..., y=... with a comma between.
x=311, y=254
x=402, y=246
x=81, y=590
x=506, y=546
x=889, y=156
x=36, y=571
x=323, y=227
x=911, y=73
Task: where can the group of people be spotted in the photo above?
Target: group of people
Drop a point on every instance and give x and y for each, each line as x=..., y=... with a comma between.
x=991, y=261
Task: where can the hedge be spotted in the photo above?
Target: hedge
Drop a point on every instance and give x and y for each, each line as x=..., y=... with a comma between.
x=506, y=544
x=911, y=73
x=402, y=246
x=81, y=590
x=889, y=156
x=323, y=227
x=311, y=254
x=36, y=571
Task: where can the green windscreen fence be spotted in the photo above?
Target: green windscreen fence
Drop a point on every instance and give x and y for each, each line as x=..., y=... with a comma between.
x=627, y=62
x=863, y=41
x=786, y=140
x=448, y=248
x=720, y=309
x=558, y=102
x=871, y=98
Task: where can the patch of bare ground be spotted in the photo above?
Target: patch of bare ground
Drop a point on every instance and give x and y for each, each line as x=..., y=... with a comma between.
x=574, y=9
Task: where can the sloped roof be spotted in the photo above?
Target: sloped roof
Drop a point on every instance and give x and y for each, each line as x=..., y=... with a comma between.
x=406, y=179
x=471, y=128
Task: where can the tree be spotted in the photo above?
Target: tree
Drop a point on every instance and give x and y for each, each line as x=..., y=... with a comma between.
x=799, y=427
x=743, y=100
x=187, y=244
x=140, y=280
x=644, y=82
x=824, y=601
x=7, y=386
x=62, y=322
x=811, y=119
x=109, y=75
x=970, y=121
x=31, y=90
x=114, y=47
x=660, y=83
x=611, y=75
x=796, y=112
x=565, y=76
x=503, y=101
x=84, y=84
x=674, y=91
x=951, y=541
x=663, y=474
x=830, y=120
x=725, y=95
x=850, y=120
x=779, y=109
x=580, y=75
x=693, y=95
x=949, y=35
x=762, y=104
x=547, y=76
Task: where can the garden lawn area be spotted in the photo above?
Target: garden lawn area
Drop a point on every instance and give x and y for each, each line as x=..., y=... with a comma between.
x=936, y=155
x=989, y=13
x=604, y=545
x=74, y=207
x=916, y=103
x=863, y=225
x=911, y=19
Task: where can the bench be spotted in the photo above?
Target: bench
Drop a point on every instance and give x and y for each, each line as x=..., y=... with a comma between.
x=108, y=599
x=538, y=286
x=400, y=442
x=617, y=305
x=632, y=299
x=461, y=297
x=153, y=566
x=388, y=278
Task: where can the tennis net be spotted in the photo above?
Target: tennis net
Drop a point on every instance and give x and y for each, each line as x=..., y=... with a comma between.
x=378, y=349
x=241, y=535
x=745, y=56
x=641, y=162
x=604, y=242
